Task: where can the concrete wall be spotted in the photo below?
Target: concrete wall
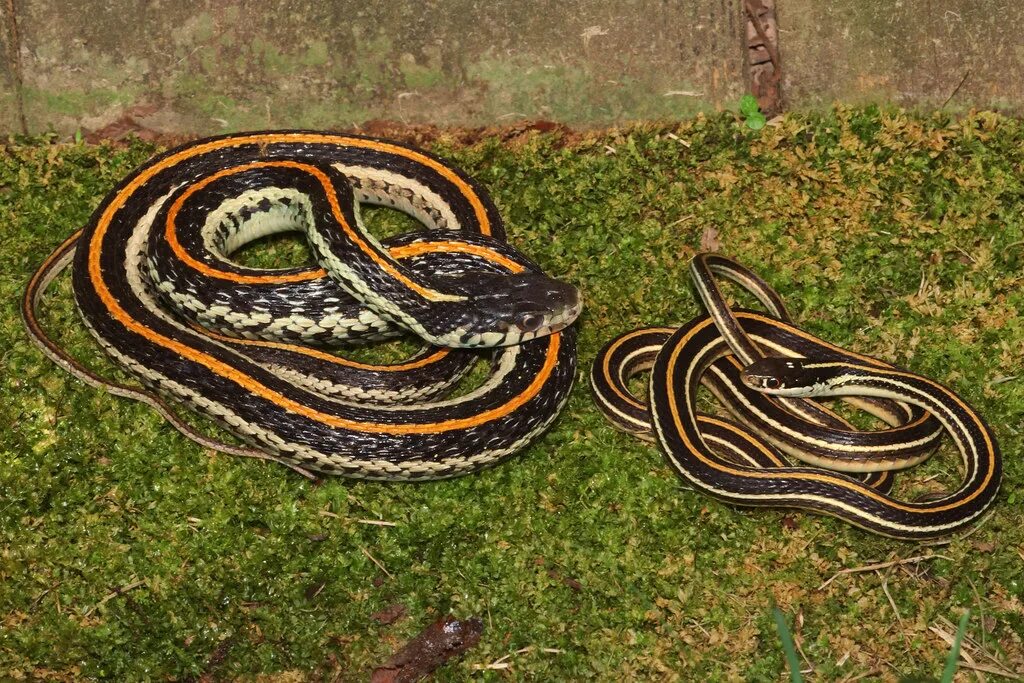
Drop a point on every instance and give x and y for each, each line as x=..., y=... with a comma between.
x=916, y=53
x=206, y=66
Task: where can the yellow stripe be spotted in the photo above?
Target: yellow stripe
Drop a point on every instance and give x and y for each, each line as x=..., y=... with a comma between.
x=698, y=452
x=606, y=367
x=771, y=455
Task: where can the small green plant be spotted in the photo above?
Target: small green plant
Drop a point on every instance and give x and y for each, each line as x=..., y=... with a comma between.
x=754, y=119
x=794, y=664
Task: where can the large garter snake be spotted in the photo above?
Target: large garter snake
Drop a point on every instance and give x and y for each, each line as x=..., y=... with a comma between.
x=742, y=357
x=155, y=283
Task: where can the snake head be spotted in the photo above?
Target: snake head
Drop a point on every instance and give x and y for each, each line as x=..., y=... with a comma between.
x=502, y=310
x=793, y=377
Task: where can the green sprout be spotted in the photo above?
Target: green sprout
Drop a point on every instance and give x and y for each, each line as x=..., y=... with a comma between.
x=954, y=652
x=794, y=664
x=780, y=619
x=754, y=119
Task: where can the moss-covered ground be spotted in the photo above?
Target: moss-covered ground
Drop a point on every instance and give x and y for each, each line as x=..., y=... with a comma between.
x=129, y=553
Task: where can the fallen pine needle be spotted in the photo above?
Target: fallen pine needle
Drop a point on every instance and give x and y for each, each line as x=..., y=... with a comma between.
x=373, y=522
x=113, y=594
x=376, y=522
x=376, y=561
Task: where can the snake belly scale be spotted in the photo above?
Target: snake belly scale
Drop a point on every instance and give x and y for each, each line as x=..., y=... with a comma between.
x=165, y=235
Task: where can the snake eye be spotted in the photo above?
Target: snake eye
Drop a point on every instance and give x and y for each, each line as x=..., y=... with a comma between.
x=530, y=323
x=772, y=382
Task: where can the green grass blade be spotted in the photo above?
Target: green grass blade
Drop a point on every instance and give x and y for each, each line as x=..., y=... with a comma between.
x=787, y=646
x=954, y=653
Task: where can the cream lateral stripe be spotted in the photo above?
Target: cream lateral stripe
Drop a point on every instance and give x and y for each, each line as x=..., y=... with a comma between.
x=611, y=395
x=464, y=188
x=745, y=279
x=931, y=403
x=250, y=384
x=676, y=417
x=801, y=448
x=364, y=242
x=902, y=446
x=292, y=402
x=768, y=453
x=228, y=211
x=890, y=417
x=418, y=189
x=407, y=251
x=619, y=342
x=778, y=348
x=646, y=351
x=694, y=354
x=327, y=357
x=609, y=382
x=809, y=439
x=739, y=366
x=904, y=416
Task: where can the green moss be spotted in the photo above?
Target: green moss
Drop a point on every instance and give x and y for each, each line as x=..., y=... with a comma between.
x=73, y=102
x=571, y=93
x=585, y=556
x=420, y=75
x=316, y=54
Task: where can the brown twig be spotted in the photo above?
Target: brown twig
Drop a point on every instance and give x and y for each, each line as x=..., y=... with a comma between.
x=882, y=565
x=956, y=89
x=895, y=610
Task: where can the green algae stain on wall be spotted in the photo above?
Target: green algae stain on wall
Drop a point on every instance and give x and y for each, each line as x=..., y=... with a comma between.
x=227, y=67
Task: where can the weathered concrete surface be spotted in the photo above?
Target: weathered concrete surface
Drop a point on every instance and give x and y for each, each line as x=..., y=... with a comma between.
x=207, y=66
x=212, y=65
x=8, y=85
x=911, y=52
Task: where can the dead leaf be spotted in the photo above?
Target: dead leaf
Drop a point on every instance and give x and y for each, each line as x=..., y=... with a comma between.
x=444, y=639
x=985, y=546
x=389, y=614
x=709, y=240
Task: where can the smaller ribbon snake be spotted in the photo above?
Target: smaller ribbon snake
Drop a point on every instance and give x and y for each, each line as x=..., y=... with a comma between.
x=762, y=369
x=155, y=283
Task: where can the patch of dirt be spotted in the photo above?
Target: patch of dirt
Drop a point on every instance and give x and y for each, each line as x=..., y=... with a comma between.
x=133, y=124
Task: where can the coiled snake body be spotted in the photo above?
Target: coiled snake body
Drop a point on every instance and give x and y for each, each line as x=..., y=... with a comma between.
x=155, y=284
